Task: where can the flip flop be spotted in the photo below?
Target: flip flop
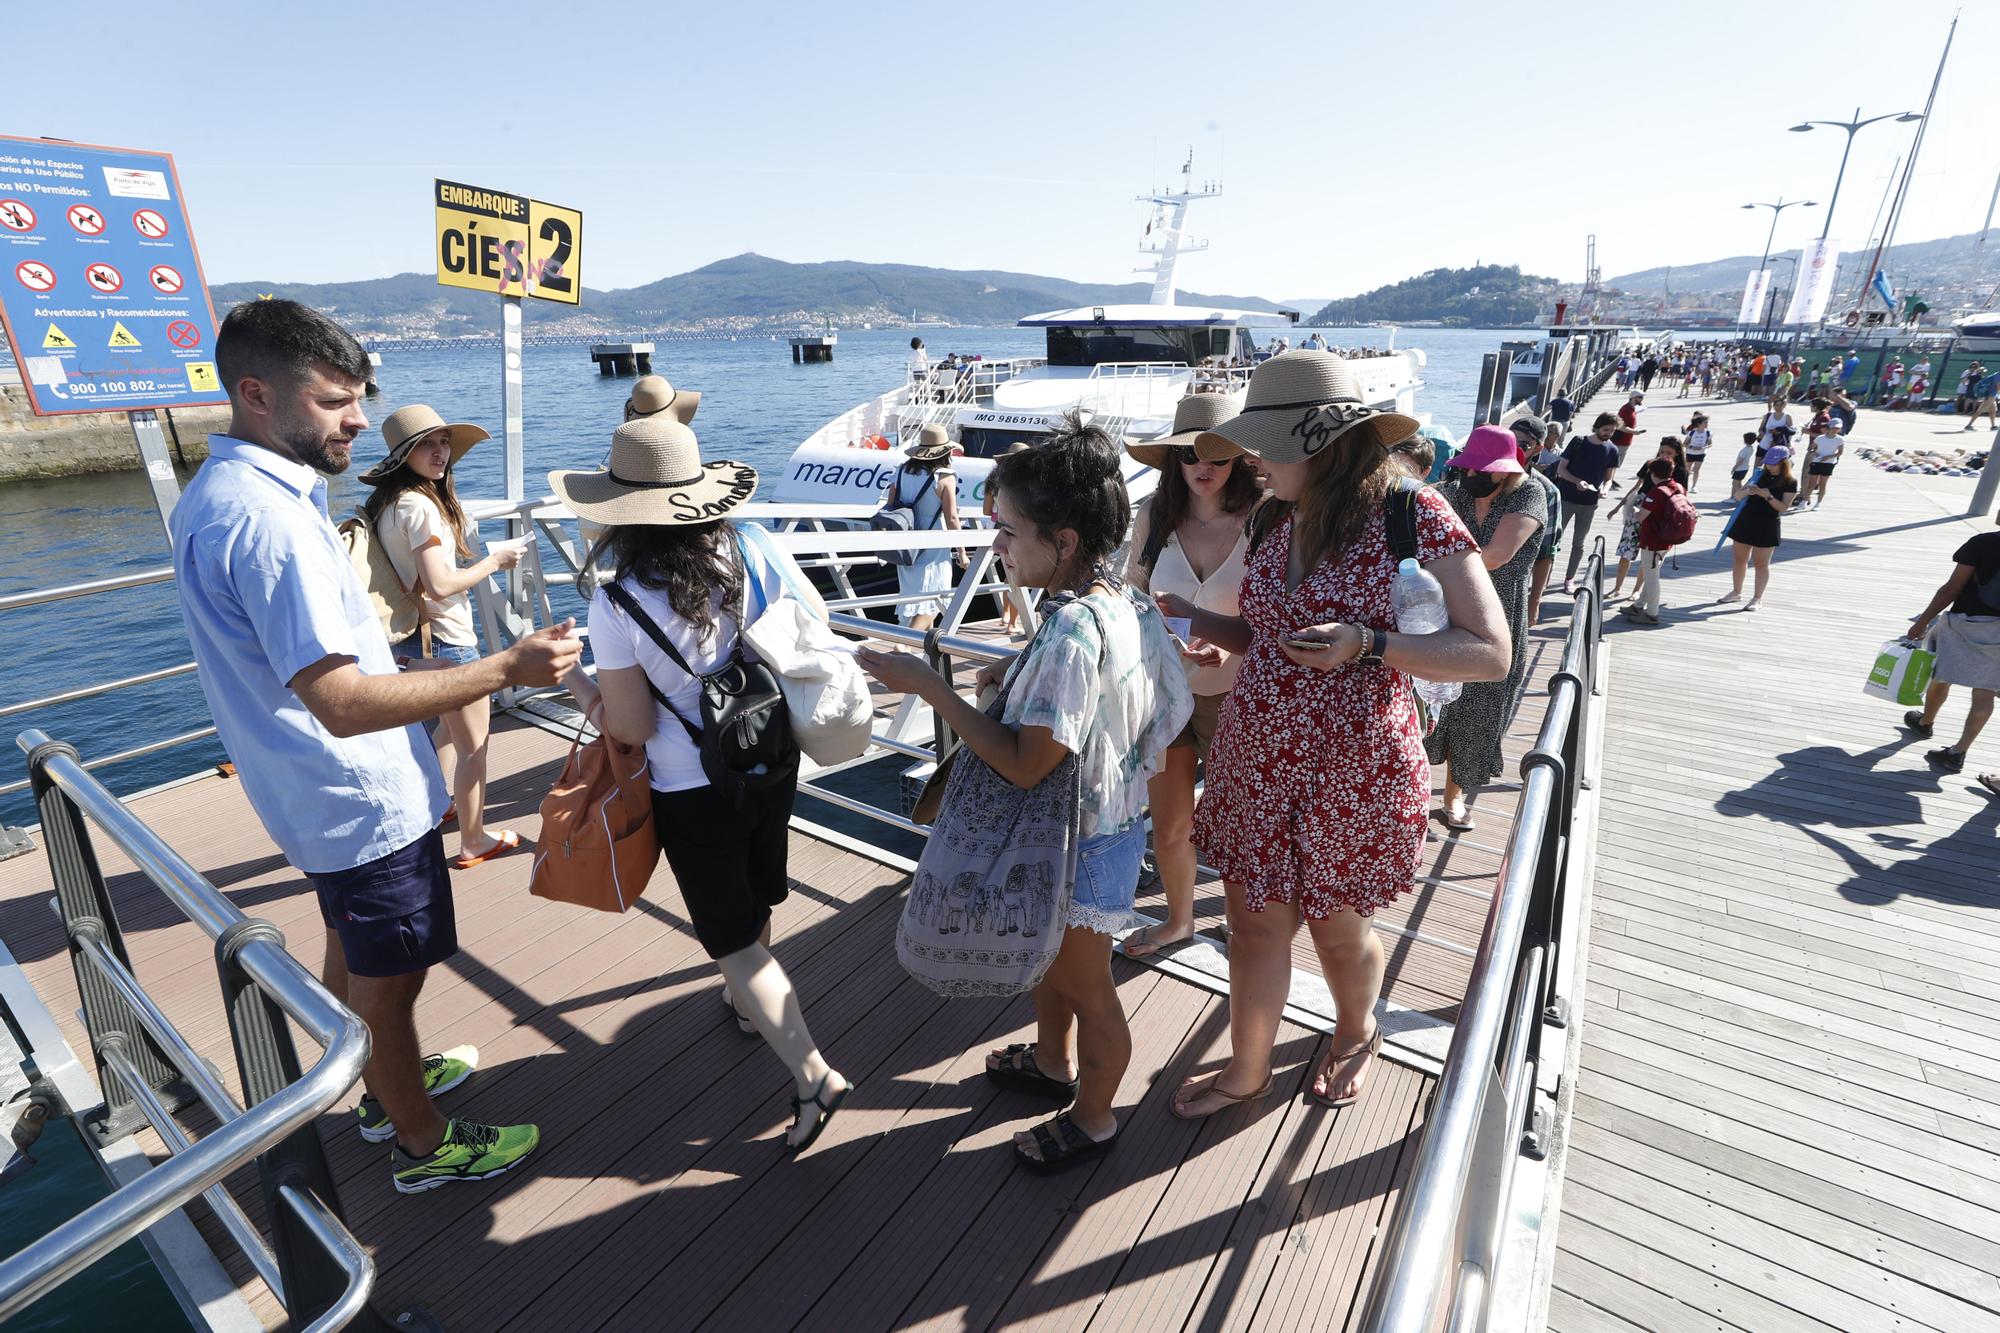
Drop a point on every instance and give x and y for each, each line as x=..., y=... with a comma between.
x=825, y=1113
x=1370, y=1048
x=510, y=841
x=1214, y=1089
x=1990, y=781
x=1143, y=938
x=450, y=815
x=1463, y=824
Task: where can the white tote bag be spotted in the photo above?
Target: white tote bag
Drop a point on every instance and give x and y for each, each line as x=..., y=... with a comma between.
x=825, y=691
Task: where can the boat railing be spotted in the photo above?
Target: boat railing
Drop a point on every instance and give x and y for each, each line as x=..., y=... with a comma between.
x=147, y=1071
x=1444, y=1240
x=1135, y=388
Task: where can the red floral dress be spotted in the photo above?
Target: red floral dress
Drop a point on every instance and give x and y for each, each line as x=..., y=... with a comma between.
x=1318, y=788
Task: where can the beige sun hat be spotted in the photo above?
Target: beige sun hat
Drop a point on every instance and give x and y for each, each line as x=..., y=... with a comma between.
x=1194, y=414
x=652, y=394
x=1299, y=403
x=655, y=477
x=932, y=442
x=401, y=430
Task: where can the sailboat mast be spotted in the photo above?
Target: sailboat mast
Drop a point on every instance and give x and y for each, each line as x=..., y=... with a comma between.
x=1910, y=167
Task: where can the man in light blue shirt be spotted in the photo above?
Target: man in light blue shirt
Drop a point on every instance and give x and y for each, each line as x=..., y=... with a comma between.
x=326, y=734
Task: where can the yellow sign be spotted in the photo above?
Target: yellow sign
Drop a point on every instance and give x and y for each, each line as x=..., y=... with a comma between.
x=121, y=336
x=56, y=340
x=202, y=377
x=492, y=241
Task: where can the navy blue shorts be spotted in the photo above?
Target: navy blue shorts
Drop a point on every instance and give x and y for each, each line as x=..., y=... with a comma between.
x=394, y=914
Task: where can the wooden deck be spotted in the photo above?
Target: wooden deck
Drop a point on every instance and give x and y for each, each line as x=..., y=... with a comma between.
x=661, y=1184
x=1788, y=1110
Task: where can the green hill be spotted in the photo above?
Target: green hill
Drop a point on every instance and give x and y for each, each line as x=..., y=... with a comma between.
x=744, y=291
x=1487, y=296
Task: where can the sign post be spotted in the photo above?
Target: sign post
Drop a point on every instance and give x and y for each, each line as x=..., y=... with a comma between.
x=101, y=290
x=508, y=244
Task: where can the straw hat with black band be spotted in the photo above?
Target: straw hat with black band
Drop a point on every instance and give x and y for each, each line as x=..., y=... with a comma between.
x=932, y=442
x=401, y=430
x=1299, y=403
x=1194, y=414
x=656, y=477
x=652, y=395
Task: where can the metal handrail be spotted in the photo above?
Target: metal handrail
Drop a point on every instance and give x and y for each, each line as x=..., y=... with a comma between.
x=40, y=596
x=1493, y=1038
x=258, y=957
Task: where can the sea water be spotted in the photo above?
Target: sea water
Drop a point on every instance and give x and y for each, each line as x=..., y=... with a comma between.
x=756, y=407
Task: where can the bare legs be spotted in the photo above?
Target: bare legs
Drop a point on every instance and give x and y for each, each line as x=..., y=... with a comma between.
x=462, y=755
x=1543, y=567
x=1081, y=1033
x=394, y=1074
x=1742, y=557
x=1260, y=980
x=1976, y=716
x=759, y=990
x=1171, y=794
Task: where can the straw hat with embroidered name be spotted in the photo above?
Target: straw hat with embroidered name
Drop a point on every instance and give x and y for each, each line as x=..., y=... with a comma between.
x=932, y=442
x=1300, y=403
x=652, y=395
x=401, y=430
x=656, y=477
x=1194, y=414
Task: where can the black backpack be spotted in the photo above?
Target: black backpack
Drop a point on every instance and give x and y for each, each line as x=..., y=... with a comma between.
x=744, y=723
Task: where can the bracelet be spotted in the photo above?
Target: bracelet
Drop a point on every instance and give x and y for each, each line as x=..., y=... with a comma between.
x=1373, y=641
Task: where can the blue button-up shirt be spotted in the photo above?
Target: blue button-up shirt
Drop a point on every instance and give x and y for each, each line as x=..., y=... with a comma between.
x=267, y=589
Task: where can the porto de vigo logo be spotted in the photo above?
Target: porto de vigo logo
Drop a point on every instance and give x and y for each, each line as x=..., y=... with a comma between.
x=1321, y=425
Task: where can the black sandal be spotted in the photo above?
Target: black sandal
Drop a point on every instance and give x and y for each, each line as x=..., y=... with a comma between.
x=826, y=1110
x=1019, y=1071
x=1063, y=1144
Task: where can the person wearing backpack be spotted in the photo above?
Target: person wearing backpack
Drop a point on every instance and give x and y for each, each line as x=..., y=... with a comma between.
x=1318, y=789
x=1666, y=519
x=415, y=515
x=1493, y=496
x=1964, y=618
x=671, y=676
x=926, y=489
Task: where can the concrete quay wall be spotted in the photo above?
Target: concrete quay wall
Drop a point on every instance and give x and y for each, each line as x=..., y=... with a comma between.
x=68, y=446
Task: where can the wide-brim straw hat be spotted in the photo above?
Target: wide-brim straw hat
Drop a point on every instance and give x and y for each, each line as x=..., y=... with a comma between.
x=1194, y=414
x=401, y=430
x=655, y=477
x=932, y=442
x=1299, y=403
x=651, y=395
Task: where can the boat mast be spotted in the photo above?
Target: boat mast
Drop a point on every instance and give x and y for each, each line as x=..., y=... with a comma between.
x=1165, y=239
x=1909, y=169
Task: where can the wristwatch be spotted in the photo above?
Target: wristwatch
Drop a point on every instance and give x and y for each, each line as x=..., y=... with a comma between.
x=1373, y=641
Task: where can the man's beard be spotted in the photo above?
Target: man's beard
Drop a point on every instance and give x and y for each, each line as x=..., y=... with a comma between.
x=330, y=457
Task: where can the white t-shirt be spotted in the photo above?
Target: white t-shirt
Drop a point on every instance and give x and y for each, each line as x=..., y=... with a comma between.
x=1742, y=460
x=1826, y=446
x=920, y=361
x=1110, y=688
x=616, y=641
x=1697, y=442
x=407, y=527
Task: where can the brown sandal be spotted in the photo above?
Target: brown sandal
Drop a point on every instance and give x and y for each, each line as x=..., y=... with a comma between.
x=1214, y=1088
x=1335, y=1059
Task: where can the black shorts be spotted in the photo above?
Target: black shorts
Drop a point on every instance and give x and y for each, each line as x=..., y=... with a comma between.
x=1819, y=469
x=394, y=915
x=729, y=862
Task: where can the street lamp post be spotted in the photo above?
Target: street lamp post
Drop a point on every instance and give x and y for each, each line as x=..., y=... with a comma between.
x=1772, y=234
x=1772, y=309
x=1852, y=127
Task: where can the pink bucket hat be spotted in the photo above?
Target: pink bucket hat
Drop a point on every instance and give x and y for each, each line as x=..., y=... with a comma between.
x=1489, y=449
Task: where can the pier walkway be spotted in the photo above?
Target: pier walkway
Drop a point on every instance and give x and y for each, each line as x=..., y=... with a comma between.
x=1788, y=1110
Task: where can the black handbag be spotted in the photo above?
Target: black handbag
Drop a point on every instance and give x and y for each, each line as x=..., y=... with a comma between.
x=745, y=725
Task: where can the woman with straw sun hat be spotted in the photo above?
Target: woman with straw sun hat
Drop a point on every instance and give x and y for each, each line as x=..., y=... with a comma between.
x=1318, y=789
x=673, y=610
x=1188, y=540
x=424, y=531
x=928, y=488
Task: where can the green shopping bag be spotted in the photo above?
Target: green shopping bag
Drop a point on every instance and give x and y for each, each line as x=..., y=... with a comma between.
x=1902, y=672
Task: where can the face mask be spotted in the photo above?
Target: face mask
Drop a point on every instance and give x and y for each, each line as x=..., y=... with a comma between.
x=1479, y=485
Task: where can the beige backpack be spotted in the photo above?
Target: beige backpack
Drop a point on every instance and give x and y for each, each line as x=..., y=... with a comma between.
x=398, y=608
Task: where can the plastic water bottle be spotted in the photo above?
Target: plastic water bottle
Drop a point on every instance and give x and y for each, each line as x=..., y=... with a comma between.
x=1419, y=601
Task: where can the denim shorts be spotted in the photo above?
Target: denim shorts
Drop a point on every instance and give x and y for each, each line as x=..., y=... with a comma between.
x=458, y=654
x=1107, y=879
x=393, y=915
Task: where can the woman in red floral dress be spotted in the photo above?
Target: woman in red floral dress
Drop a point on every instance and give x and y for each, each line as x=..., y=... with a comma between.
x=1319, y=789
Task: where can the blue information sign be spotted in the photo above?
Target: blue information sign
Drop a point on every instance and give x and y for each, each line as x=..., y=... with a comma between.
x=101, y=292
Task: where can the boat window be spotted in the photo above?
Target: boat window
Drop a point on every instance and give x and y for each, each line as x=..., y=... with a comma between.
x=991, y=442
x=1095, y=344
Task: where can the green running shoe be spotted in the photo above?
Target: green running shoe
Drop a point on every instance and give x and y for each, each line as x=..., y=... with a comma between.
x=442, y=1073
x=470, y=1151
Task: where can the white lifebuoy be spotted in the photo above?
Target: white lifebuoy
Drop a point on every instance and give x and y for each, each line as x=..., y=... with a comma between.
x=1853, y=318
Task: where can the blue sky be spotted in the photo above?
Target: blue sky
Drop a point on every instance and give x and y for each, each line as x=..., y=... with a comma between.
x=1356, y=144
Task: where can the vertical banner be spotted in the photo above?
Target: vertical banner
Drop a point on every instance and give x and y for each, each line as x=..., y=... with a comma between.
x=1754, y=292
x=1817, y=263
